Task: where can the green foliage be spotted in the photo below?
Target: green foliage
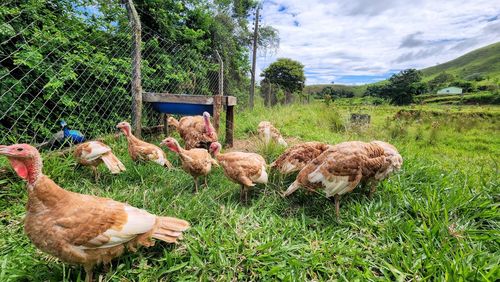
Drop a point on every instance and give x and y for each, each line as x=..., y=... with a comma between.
x=400, y=89
x=268, y=39
x=71, y=60
x=327, y=99
x=403, y=86
x=54, y=66
x=481, y=98
x=440, y=81
x=335, y=93
x=271, y=93
x=375, y=90
x=467, y=86
x=286, y=73
x=474, y=77
x=316, y=89
x=205, y=27
x=478, y=70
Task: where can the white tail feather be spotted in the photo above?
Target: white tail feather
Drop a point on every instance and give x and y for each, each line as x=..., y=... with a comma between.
x=292, y=188
x=282, y=141
x=288, y=168
x=262, y=177
x=267, y=135
x=316, y=176
x=113, y=163
x=337, y=185
x=169, y=229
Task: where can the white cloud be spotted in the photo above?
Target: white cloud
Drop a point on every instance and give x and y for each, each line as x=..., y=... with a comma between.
x=366, y=38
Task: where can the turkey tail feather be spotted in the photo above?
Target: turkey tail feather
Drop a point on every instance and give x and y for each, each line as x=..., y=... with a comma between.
x=267, y=135
x=292, y=188
x=169, y=229
x=282, y=141
x=113, y=163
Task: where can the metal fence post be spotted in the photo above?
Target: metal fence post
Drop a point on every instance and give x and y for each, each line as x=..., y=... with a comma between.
x=218, y=97
x=136, y=67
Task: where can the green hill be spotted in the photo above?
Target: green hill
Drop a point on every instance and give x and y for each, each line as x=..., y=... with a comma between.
x=484, y=61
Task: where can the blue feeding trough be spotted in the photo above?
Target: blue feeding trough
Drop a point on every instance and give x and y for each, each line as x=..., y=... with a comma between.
x=182, y=104
x=182, y=108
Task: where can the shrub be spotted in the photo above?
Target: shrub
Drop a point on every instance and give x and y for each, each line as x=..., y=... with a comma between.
x=475, y=77
x=336, y=122
x=327, y=100
x=433, y=133
x=396, y=129
x=419, y=133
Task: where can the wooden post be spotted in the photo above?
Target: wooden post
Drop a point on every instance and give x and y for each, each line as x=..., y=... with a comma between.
x=218, y=97
x=229, y=125
x=268, y=99
x=254, y=57
x=136, y=67
x=164, y=118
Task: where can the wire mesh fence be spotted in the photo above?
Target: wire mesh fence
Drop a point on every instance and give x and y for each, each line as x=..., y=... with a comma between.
x=172, y=68
x=77, y=68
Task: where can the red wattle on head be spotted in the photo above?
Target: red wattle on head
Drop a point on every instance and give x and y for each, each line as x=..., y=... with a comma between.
x=20, y=168
x=208, y=128
x=173, y=147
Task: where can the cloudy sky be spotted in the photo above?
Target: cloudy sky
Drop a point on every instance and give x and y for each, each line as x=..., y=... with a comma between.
x=362, y=41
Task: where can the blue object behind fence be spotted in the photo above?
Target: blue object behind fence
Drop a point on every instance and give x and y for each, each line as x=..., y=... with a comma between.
x=74, y=136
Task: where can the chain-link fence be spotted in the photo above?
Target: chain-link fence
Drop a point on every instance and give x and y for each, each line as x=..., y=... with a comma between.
x=175, y=69
x=74, y=64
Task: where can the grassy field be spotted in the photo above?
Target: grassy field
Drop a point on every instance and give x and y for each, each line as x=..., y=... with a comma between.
x=437, y=219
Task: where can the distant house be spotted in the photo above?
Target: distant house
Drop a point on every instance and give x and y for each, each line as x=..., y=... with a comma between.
x=450, y=90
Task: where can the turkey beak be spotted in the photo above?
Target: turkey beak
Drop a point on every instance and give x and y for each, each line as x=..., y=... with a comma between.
x=4, y=150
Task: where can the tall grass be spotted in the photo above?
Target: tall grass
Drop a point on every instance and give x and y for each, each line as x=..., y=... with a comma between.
x=437, y=219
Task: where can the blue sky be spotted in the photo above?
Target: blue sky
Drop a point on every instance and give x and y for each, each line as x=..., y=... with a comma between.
x=364, y=41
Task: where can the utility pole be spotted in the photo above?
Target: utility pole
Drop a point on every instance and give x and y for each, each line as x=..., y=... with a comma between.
x=254, y=57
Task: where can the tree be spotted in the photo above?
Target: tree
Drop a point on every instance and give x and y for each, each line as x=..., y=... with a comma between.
x=400, y=88
x=403, y=86
x=421, y=87
x=327, y=91
x=466, y=86
x=55, y=52
x=342, y=93
x=335, y=93
x=375, y=90
x=440, y=81
x=288, y=74
x=205, y=26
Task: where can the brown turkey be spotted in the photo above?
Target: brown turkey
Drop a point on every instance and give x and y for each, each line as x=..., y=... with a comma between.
x=142, y=151
x=83, y=229
x=243, y=168
x=197, y=162
x=298, y=156
x=93, y=153
x=196, y=131
x=342, y=167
